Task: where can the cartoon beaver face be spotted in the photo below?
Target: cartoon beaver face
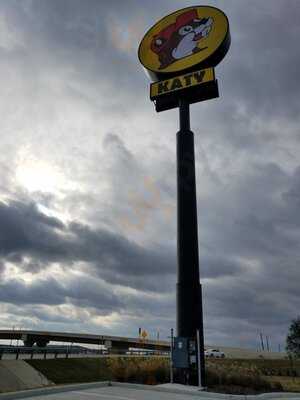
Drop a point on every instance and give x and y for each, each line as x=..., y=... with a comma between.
x=180, y=39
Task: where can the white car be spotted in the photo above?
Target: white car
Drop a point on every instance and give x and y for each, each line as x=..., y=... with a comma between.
x=214, y=353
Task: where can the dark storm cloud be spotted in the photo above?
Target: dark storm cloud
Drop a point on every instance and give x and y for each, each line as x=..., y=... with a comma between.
x=217, y=266
x=119, y=255
x=24, y=231
x=257, y=71
x=83, y=292
x=260, y=231
x=267, y=225
x=55, y=318
x=261, y=220
x=88, y=292
x=260, y=70
x=258, y=82
x=243, y=307
x=2, y=267
x=85, y=38
x=41, y=292
x=265, y=58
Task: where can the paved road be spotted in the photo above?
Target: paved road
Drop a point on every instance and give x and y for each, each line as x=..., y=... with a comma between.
x=114, y=393
x=125, y=393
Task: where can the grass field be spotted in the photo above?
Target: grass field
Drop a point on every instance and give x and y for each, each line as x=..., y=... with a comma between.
x=253, y=376
x=288, y=384
x=148, y=370
x=262, y=366
x=223, y=375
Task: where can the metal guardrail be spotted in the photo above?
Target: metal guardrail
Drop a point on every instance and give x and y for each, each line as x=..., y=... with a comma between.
x=18, y=352
x=22, y=352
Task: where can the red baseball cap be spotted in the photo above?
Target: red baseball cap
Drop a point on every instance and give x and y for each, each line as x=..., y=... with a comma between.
x=165, y=34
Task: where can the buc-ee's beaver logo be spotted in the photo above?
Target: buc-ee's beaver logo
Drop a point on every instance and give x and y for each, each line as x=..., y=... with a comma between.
x=191, y=38
x=181, y=38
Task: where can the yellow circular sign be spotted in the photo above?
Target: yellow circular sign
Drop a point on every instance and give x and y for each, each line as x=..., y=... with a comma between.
x=188, y=39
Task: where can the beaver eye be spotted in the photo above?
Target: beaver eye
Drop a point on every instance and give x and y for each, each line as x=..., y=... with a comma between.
x=158, y=42
x=185, y=29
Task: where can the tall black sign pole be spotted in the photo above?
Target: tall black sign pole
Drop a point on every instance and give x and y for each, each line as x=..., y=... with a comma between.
x=179, y=54
x=189, y=296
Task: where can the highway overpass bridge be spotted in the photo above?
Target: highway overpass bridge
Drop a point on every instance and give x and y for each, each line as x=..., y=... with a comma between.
x=116, y=343
x=119, y=344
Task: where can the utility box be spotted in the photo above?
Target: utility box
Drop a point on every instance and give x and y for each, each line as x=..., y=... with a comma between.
x=184, y=352
x=180, y=352
x=192, y=353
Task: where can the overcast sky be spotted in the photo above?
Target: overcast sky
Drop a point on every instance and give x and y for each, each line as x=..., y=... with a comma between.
x=88, y=173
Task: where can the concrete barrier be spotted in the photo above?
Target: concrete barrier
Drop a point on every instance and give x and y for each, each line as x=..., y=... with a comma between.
x=18, y=375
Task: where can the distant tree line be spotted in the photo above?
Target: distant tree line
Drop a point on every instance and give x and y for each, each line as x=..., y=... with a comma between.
x=293, y=339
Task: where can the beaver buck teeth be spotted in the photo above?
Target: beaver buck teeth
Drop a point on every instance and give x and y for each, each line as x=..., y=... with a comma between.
x=189, y=35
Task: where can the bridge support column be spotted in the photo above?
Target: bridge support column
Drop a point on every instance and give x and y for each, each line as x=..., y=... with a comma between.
x=29, y=341
x=42, y=342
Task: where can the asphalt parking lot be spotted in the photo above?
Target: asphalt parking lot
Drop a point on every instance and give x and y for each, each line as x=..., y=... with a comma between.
x=123, y=391
x=112, y=393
